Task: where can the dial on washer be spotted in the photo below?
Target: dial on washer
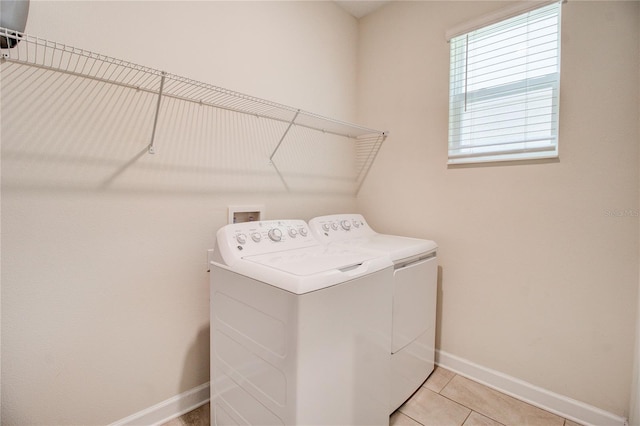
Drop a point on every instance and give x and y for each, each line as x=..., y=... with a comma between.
x=275, y=234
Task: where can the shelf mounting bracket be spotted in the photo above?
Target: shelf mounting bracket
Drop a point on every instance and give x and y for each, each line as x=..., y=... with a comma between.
x=155, y=120
x=284, y=135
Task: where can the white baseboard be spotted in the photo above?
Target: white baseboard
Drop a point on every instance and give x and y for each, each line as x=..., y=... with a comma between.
x=168, y=409
x=561, y=405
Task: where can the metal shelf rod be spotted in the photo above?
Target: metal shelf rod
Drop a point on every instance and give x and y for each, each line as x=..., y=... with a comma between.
x=284, y=135
x=155, y=119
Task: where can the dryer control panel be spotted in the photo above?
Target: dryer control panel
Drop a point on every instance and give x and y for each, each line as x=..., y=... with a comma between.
x=239, y=240
x=339, y=227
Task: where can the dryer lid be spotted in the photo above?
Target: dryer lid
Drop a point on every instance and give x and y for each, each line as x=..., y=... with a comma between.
x=396, y=247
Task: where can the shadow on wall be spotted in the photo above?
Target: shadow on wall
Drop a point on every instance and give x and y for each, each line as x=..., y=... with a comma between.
x=78, y=133
x=439, y=309
x=198, y=355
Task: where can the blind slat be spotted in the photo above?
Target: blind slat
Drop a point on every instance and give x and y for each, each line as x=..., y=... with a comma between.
x=509, y=142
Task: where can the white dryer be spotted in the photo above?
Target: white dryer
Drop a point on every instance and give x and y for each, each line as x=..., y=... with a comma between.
x=414, y=295
x=299, y=330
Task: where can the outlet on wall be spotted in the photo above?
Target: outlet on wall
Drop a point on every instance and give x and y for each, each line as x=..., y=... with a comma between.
x=238, y=214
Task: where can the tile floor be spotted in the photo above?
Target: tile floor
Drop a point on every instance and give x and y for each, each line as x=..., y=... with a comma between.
x=452, y=400
x=445, y=399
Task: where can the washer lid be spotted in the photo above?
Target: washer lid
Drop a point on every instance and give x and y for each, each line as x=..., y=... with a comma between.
x=312, y=260
x=309, y=269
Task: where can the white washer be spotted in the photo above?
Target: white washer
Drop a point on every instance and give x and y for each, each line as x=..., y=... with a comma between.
x=415, y=278
x=300, y=331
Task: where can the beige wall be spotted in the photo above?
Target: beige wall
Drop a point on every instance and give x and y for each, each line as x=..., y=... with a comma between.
x=105, y=306
x=539, y=261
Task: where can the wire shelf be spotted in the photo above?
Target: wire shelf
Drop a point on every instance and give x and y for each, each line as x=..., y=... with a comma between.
x=24, y=49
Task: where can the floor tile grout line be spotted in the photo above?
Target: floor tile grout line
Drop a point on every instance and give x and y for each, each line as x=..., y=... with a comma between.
x=456, y=402
x=466, y=418
x=412, y=395
x=415, y=420
x=469, y=408
x=448, y=381
x=483, y=415
x=564, y=420
x=502, y=393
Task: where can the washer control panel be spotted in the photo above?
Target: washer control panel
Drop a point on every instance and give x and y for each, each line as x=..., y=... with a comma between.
x=250, y=238
x=339, y=227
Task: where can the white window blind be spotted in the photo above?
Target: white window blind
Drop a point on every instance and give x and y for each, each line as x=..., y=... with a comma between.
x=504, y=89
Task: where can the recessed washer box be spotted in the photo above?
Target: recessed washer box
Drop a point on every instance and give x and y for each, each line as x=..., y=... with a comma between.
x=239, y=214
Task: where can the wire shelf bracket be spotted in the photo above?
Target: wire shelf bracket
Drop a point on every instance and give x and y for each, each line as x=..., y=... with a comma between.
x=151, y=147
x=284, y=135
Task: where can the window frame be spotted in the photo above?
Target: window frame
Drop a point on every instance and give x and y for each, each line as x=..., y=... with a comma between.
x=459, y=95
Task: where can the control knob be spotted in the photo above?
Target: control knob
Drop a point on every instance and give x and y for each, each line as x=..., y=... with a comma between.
x=241, y=238
x=346, y=225
x=303, y=231
x=326, y=226
x=334, y=226
x=293, y=233
x=256, y=237
x=275, y=234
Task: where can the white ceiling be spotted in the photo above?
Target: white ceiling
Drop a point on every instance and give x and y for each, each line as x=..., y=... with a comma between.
x=360, y=8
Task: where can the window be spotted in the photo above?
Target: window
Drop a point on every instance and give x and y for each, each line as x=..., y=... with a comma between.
x=503, y=89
